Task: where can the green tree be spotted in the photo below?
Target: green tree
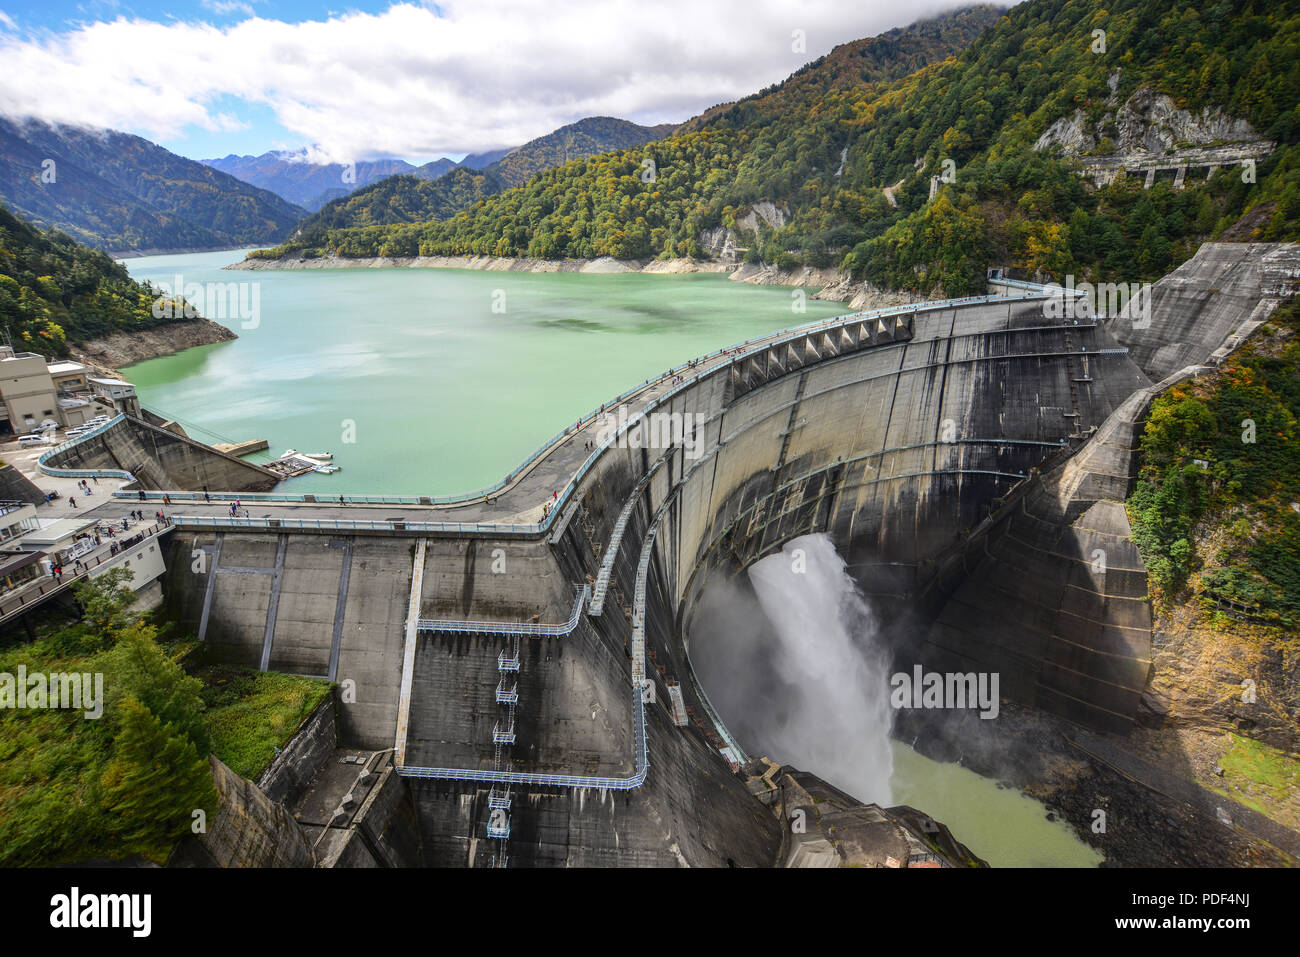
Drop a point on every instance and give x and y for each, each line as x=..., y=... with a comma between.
x=155, y=781
x=146, y=674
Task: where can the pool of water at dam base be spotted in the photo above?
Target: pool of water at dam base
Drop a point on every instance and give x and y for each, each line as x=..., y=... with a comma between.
x=1000, y=824
x=448, y=396
x=444, y=394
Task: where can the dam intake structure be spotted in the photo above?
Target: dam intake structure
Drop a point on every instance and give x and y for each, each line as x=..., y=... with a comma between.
x=966, y=458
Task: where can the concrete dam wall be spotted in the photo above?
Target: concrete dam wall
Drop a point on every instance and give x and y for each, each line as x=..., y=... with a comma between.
x=159, y=459
x=968, y=459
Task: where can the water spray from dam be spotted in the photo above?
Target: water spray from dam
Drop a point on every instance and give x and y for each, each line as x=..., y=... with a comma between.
x=800, y=676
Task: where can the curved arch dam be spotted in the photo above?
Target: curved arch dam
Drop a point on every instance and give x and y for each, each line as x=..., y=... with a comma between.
x=969, y=460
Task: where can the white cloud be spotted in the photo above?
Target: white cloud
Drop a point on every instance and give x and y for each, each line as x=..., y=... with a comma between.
x=227, y=7
x=409, y=82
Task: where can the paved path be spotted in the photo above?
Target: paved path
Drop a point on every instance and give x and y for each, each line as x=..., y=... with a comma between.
x=24, y=460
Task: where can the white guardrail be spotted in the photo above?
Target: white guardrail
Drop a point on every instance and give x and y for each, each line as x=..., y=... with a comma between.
x=43, y=459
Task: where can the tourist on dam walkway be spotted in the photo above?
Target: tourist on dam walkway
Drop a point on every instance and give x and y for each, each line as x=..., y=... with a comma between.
x=72, y=502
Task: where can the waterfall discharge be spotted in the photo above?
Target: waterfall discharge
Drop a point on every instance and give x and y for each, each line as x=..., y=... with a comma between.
x=803, y=681
x=826, y=648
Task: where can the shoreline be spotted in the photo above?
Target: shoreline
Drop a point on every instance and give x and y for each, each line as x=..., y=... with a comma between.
x=832, y=285
x=120, y=349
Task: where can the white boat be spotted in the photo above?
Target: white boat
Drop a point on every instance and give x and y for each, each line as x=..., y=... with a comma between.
x=318, y=456
x=326, y=469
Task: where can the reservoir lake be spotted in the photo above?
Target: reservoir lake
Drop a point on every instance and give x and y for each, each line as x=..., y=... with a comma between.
x=444, y=380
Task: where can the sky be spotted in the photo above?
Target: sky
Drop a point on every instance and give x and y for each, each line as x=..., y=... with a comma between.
x=416, y=80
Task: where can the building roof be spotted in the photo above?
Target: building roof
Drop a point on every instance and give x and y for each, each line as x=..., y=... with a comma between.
x=120, y=383
x=58, y=530
x=64, y=368
x=9, y=565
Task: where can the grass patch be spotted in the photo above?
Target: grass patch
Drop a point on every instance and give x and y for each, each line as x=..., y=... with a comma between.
x=250, y=714
x=1265, y=767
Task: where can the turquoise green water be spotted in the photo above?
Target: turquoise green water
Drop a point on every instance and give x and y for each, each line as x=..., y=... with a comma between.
x=445, y=395
x=1001, y=825
x=441, y=393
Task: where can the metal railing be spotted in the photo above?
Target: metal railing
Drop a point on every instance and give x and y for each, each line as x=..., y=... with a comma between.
x=577, y=781
x=531, y=628
x=33, y=594
x=340, y=524
x=506, y=736
x=507, y=695
x=740, y=349
x=72, y=443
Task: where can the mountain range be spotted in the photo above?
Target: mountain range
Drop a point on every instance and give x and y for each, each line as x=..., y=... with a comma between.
x=119, y=192
x=919, y=178
x=290, y=175
x=417, y=198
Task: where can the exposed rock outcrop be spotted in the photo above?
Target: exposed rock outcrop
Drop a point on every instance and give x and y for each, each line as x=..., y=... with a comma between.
x=123, y=348
x=1147, y=122
x=763, y=211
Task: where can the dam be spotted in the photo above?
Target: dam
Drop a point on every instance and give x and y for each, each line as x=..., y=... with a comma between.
x=523, y=651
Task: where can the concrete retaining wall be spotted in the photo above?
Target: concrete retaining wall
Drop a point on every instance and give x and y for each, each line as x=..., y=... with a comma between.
x=161, y=459
x=17, y=487
x=248, y=830
x=293, y=768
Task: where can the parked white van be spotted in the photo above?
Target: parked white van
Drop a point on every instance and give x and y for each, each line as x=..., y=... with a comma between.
x=27, y=441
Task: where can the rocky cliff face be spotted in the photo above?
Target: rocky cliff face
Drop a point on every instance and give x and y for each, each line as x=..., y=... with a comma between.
x=1147, y=122
x=725, y=245
x=123, y=348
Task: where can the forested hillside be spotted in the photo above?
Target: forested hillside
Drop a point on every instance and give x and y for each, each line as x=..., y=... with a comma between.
x=1238, y=506
x=823, y=146
x=54, y=291
x=588, y=137
x=120, y=192
x=405, y=199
